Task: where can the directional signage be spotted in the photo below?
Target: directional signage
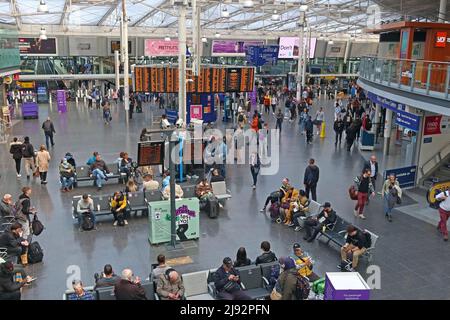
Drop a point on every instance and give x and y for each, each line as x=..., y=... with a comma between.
x=261, y=55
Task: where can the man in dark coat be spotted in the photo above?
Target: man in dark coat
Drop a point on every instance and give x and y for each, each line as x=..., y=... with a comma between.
x=129, y=288
x=311, y=178
x=227, y=282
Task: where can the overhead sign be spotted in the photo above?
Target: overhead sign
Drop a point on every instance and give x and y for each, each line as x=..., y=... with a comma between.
x=261, y=55
x=432, y=125
x=406, y=176
x=37, y=47
x=150, y=153
x=289, y=47
x=115, y=46
x=403, y=118
x=232, y=48
x=441, y=39
x=161, y=48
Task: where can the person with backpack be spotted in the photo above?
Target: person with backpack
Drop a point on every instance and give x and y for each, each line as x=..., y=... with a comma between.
x=85, y=212
x=338, y=128
x=444, y=212
x=16, y=151
x=391, y=192
x=28, y=157
x=24, y=210
x=49, y=130
x=119, y=208
x=364, y=187
x=356, y=244
x=286, y=285
x=311, y=178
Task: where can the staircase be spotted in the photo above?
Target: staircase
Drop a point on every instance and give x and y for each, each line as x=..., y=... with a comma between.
x=442, y=173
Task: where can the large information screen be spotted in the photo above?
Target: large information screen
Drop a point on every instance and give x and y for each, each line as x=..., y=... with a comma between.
x=150, y=153
x=37, y=47
x=210, y=80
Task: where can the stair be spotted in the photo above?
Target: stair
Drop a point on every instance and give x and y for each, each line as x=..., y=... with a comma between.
x=440, y=174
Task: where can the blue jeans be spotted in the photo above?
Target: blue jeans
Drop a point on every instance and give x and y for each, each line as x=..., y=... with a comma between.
x=99, y=176
x=49, y=136
x=80, y=218
x=387, y=210
x=67, y=182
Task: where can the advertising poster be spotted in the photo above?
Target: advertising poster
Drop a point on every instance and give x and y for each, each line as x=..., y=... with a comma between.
x=196, y=111
x=187, y=214
x=115, y=46
x=406, y=176
x=289, y=47
x=232, y=48
x=37, y=47
x=404, y=44
x=432, y=125
x=61, y=100
x=161, y=48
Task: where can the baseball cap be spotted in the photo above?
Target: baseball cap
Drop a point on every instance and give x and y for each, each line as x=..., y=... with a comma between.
x=327, y=205
x=227, y=261
x=296, y=246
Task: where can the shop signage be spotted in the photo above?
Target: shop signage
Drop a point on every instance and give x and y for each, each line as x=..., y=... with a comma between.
x=406, y=176
x=403, y=118
x=441, y=39
x=161, y=48
x=432, y=125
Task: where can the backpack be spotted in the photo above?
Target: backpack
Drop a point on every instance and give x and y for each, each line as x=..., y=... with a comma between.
x=368, y=124
x=274, y=274
x=241, y=118
x=368, y=238
x=37, y=226
x=274, y=210
x=302, y=288
x=87, y=223
x=437, y=202
x=35, y=253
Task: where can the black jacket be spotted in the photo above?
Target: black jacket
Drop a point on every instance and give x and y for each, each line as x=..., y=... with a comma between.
x=238, y=264
x=27, y=150
x=221, y=277
x=16, y=150
x=48, y=127
x=367, y=166
x=338, y=126
x=5, y=209
x=11, y=243
x=331, y=217
x=126, y=290
x=358, y=240
x=9, y=290
x=266, y=257
x=309, y=126
x=311, y=175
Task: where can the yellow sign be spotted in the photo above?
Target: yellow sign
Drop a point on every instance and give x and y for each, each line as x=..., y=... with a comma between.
x=436, y=189
x=7, y=80
x=25, y=84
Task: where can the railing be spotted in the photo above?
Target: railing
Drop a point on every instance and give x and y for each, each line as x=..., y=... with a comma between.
x=419, y=76
x=434, y=161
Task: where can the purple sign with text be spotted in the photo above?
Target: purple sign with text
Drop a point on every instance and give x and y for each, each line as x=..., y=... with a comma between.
x=61, y=100
x=232, y=48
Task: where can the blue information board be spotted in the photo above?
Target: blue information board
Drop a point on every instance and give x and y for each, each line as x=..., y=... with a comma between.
x=406, y=176
x=172, y=115
x=261, y=55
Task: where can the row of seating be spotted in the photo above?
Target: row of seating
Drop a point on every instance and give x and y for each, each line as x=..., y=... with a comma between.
x=337, y=232
x=83, y=173
x=107, y=293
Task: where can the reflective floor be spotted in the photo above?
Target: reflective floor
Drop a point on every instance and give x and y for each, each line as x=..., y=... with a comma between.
x=410, y=253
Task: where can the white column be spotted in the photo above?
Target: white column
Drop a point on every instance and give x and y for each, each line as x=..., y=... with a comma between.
x=300, y=53
x=387, y=131
x=442, y=10
x=182, y=64
x=124, y=45
x=377, y=117
x=117, y=68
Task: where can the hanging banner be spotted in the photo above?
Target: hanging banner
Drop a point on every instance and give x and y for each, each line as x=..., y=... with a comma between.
x=161, y=48
x=232, y=48
x=432, y=125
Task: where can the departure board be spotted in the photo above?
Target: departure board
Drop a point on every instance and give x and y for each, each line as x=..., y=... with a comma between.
x=233, y=83
x=150, y=153
x=210, y=80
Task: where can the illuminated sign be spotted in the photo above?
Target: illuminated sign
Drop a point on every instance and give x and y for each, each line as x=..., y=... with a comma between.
x=441, y=39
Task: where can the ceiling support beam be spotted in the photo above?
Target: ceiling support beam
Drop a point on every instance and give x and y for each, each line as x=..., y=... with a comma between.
x=108, y=13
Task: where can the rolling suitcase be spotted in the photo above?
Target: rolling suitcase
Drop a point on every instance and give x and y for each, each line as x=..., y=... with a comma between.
x=212, y=208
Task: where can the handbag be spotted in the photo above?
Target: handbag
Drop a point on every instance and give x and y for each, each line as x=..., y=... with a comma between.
x=36, y=173
x=231, y=286
x=36, y=226
x=399, y=200
x=275, y=295
x=352, y=193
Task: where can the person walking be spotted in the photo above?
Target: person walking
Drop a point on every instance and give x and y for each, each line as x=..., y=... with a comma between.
x=350, y=136
x=309, y=128
x=43, y=158
x=444, y=212
x=391, y=192
x=320, y=116
x=255, y=166
x=49, y=130
x=16, y=151
x=338, y=128
x=279, y=116
x=311, y=178
x=364, y=187
x=274, y=102
x=28, y=157
x=302, y=120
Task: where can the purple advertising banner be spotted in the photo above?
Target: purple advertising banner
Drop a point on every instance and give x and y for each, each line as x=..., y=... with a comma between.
x=232, y=48
x=61, y=100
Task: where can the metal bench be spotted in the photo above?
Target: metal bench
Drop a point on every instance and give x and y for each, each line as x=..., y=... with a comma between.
x=101, y=205
x=335, y=232
x=189, y=191
x=253, y=282
x=196, y=286
x=137, y=202
x=153, y=195
x=220, y=190
x=83, y=173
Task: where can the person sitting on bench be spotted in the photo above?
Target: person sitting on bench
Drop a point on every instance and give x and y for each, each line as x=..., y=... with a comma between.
x=178, y=192
x=85, y=206
x=313, y=225
x=355, y=244
x=99, y=171
x=119, y=208
x=216, y=177
x=301, y=209
x=304, y=263
x=205, y=194
x=125, y=165
x=14, y=243
x=91, y=160
x=277, y=195
x=149, y=184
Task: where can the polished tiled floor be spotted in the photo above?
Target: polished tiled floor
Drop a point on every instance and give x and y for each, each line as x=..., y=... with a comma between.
x=411, y=255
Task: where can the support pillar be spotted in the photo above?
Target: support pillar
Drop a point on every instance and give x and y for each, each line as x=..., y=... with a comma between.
x=124, y=47
x=442, y=10
x=387, y=131
x=182, y=63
